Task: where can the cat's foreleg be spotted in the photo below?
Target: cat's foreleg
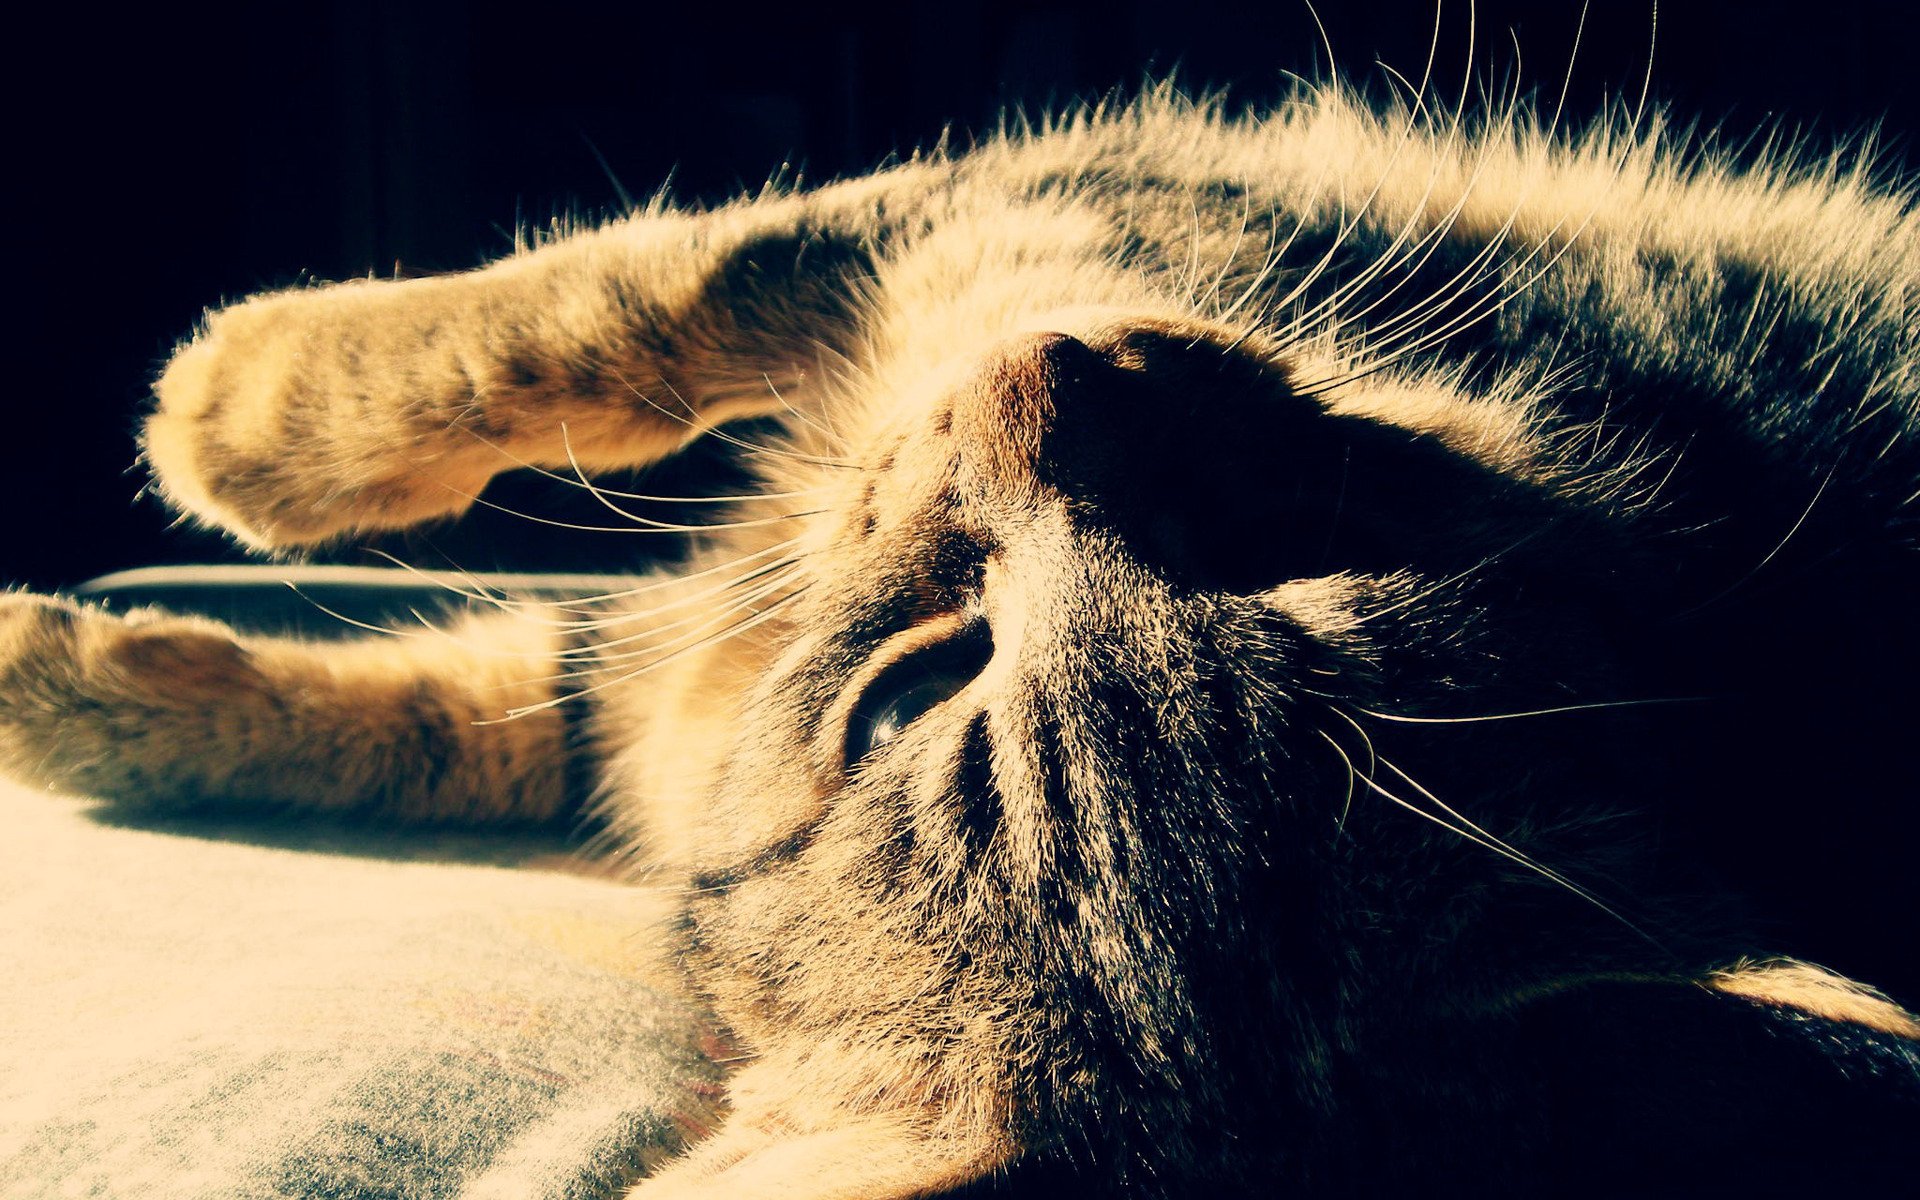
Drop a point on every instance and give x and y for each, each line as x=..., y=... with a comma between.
x=812, y=1145
x=152, y=708
x=301, y=415
x=872, y=1159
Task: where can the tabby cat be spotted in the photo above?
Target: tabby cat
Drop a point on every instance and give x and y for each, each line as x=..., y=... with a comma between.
x=1313, y=652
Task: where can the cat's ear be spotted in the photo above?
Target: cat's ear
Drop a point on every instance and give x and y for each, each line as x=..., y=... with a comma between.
x=1756, y=1080
x=777, y=1143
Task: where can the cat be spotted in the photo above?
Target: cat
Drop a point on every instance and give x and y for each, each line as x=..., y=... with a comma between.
x=1260, y=654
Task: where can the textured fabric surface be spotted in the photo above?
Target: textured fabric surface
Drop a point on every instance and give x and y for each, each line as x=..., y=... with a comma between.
x=249, y=1009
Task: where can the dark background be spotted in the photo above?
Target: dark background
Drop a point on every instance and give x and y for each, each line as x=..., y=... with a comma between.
x=163, y=161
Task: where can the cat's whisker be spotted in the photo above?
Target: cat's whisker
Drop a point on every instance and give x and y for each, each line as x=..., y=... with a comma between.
x=1373, y=761
x=1631, y=145
x=760, y=618
x=817, y=426
x=1468, y=274
x=1233, y=254
x=1519, y=856
x=1469, y=831
x=656, y=527
x=1798, y=524
x=647, y=497
x=655, y=655
x=595, y=613
x=599, y=651
x=1350, y=222
x=531, y=610
x=1373, y=757
x=1433, y=238
x=1407, y=324
x=1413, y=339
x=1411, y=320
x=1275, y=255
x=566, y=442
x=1326, y=43
x=629, y=616
x=1566, y=77
x=1353, y=783
x=370, y=627
x=1480, y=718
x=621, y=616
x=719, y=434
x=1432, y=589
x=1190, y=280
x=716, y=604
x=477, y=591
x=651, y=616
x=434, y=628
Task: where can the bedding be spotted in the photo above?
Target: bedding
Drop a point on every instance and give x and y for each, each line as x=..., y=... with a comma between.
x=255, y=1008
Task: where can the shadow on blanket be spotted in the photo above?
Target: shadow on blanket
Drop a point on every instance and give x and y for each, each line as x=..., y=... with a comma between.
x=252, y=1005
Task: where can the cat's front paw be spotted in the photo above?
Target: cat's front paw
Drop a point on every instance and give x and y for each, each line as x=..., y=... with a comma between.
x=37, y=635
x=103, y=704
x=38, y=671
x=298, y=417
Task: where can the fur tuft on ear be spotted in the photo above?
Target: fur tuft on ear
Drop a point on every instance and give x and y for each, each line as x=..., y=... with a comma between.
x=1815, y=992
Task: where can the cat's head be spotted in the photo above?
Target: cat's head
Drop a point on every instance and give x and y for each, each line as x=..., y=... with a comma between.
x=1067, y=792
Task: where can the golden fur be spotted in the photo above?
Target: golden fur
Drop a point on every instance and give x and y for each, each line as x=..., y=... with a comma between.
x=964, y=358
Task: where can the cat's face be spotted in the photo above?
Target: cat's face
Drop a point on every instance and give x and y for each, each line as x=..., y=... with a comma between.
x=1069, y=798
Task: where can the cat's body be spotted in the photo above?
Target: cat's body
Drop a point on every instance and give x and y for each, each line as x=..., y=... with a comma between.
x=1263, y=648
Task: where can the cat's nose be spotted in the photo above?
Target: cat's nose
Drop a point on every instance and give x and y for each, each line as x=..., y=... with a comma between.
x=1194, y=452
x=1007, y=419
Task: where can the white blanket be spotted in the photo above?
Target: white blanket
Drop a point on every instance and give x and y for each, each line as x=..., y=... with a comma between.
x=249, y=1008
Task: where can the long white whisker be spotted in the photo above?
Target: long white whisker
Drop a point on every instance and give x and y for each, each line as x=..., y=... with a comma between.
x=1525, y=859
x=654, y=527
x=757, y=619
x=597, y=601
x=1536, y=712
x=1760, y=566
x=1431, y=589
x=1353, y=782
x=774, y=581
x=714, y=431
x=1486, y=307
x=1226, y=264
x=650, y=498
x=566, y=441
x=355, y=622
x=1398, y=251
x=1373, y=760
x=1471, y=832
x=832, y=435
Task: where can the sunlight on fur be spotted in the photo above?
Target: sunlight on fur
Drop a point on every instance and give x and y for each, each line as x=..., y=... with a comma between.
x=1211, y=664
